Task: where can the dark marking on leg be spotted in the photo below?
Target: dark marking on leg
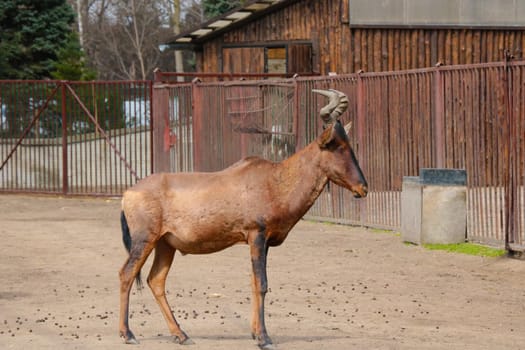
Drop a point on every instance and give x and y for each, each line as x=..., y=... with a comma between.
x=259, y=252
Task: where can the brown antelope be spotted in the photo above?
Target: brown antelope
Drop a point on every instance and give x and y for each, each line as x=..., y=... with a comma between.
x=255, y=201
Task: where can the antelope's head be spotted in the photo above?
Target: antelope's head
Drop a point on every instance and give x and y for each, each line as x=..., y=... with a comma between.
x=337, y=157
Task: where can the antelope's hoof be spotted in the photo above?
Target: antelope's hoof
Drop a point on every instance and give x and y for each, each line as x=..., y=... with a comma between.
x=267, y=346
x=129, y=338
x=186, y=341
x=132, y=341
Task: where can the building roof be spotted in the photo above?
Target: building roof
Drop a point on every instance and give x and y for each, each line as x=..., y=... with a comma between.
x=367, y=14
x=251, y=10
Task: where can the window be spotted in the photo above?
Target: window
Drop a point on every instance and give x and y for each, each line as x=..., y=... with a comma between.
x=282, y=58
x=276, y=60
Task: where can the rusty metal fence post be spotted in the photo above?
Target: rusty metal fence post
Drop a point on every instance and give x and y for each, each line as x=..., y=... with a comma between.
x=197, y=124
x=296, y=109
x=439, y=119
x=65, y=173
x=360, y=127
x=161, y=147
x=512, y=238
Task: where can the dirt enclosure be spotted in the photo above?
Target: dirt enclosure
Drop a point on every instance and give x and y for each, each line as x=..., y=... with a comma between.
x=331, y=287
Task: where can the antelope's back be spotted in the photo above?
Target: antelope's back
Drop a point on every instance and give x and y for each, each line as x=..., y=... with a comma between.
x=240, y=190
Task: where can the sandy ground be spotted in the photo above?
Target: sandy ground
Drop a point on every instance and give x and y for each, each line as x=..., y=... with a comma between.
x=331, y=287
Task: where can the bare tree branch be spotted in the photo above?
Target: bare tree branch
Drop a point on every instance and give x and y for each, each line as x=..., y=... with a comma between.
x=121, y=38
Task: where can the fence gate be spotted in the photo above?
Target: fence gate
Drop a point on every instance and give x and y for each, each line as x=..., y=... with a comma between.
x=72, y=137
x=253, y=119
x=210, y=126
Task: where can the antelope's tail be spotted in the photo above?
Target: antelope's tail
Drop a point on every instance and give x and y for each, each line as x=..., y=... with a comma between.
x=126, y=239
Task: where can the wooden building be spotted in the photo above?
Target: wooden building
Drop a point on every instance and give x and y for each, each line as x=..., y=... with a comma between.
x=345, y=36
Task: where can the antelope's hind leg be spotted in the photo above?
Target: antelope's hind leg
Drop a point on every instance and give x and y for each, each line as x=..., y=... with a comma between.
x=139, y=252
x=164, y=254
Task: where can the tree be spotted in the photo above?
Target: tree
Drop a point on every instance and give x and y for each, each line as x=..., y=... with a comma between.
x=81, y=8
x=123, y=37
x=183, y=15
x=32, y=34
x=176, y=24
x=213, y=8
x=71, y=62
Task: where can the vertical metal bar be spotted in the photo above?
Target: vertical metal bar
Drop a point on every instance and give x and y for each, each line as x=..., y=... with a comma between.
x=14, y=134
x=469, y=128
x=151, y=123
x=128, y=92
x=361, y=142
x=492, y=147
x=112, y=159
x=175, y=155
x=520, y=154
x=508, y=157
x=89, y=142
x=477, y=152
x=65, y=173
x=135, y=96
x=95, y=153
x=197, y=125
x=28, y=174
x=94, y=156
x=161, y=126
x=104, y=95
x=295, y=116
x=79, y=149
x=501, y=138
x=439, y=119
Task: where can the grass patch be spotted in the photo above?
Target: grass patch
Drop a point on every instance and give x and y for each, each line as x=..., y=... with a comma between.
x=378, y=230
x=467, y=248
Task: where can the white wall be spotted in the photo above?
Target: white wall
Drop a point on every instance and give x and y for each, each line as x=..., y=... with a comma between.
x=472, y=13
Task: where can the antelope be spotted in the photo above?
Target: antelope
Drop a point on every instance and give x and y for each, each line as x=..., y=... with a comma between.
x=254, y=201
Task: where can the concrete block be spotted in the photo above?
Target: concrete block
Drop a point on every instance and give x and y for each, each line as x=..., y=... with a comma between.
x=411, y=197
x=443, y=214
x=434, y=207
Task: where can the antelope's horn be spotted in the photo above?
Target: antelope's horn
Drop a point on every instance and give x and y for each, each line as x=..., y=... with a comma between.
x=337, y=104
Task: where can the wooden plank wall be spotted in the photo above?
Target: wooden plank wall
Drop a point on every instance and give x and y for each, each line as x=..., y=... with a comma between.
x=243, y=60
x=343, y=49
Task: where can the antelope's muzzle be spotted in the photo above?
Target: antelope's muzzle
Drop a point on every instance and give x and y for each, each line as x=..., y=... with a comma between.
x=360, y=191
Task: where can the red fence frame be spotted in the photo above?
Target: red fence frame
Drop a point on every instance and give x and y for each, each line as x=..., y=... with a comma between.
x=74, y=137
x=470, y=117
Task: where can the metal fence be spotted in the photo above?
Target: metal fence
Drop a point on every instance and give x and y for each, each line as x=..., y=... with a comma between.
x=449, y=117
x=470, y=117
x=74, y=138
x=99, y=138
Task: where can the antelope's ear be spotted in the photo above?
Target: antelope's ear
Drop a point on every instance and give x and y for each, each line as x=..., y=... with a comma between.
x=348, y=127
x=327, y=136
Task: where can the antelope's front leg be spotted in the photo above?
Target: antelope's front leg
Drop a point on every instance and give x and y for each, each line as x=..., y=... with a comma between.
x=259, y=252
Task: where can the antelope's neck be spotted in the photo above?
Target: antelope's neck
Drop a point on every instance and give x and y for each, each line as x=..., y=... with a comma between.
x=301, y=180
